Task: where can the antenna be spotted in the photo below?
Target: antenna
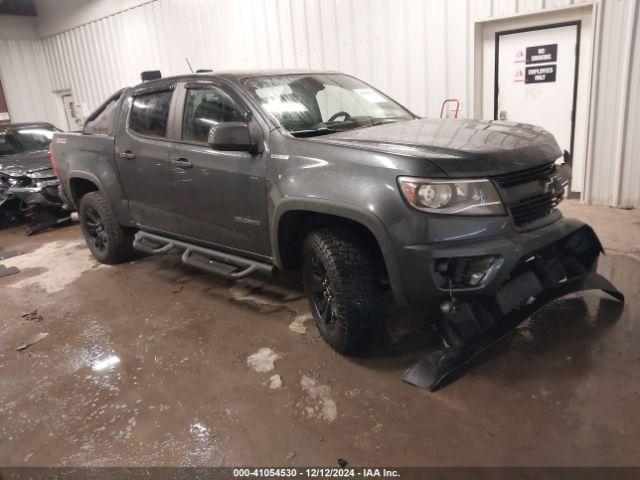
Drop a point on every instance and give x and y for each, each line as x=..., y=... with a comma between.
x=188, y=64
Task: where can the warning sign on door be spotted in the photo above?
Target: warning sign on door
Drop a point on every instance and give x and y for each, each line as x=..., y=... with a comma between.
x=518, y=74
x=545, y=73
x=542, y=53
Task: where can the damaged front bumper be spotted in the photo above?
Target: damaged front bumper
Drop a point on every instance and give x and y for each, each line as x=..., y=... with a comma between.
x=470, y=323
x=35, y=197
x=44, y=194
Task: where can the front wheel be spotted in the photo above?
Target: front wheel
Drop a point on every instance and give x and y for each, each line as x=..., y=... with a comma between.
x=108, y=241
x=343, y=288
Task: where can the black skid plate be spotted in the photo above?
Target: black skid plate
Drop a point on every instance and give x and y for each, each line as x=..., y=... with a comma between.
x=438, y=368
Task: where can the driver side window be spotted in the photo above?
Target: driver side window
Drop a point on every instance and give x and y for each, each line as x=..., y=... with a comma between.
x=205, y=108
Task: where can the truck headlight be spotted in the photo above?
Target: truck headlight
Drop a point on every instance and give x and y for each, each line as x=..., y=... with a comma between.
x=461, y=197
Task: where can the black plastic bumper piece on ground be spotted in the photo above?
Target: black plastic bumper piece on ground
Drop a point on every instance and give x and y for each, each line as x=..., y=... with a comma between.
x=438, y=368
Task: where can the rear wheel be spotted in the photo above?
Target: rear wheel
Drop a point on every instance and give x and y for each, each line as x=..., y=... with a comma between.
x=343, y=288
x=108, y=241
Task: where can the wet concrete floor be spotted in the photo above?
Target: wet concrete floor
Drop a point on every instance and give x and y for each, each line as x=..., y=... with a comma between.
x=154, y=363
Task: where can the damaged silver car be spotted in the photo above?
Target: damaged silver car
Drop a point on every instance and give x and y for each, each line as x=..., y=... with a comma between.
x=28, y=185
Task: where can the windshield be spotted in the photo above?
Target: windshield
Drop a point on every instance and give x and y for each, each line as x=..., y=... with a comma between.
x=313, y=104
x=27, y=139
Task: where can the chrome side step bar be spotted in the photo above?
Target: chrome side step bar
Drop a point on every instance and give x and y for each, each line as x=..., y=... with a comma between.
x=221, y=263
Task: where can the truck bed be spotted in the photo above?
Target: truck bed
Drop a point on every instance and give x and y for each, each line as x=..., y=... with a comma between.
x=90, y=161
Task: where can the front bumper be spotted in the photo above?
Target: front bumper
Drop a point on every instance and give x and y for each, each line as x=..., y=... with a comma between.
x=417, y=261
x=544, y=266
x=45, y=194
x=39, y=202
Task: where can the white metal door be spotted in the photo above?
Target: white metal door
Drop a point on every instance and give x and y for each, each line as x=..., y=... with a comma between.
x=536, y=74
x=72, y=112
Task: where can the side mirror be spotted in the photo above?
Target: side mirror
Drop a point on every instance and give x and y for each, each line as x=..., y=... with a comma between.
x=234, y=136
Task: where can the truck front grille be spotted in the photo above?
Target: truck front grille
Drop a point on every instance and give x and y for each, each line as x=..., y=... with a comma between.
x=534, y=208
x=531, y=194
x=542, y=172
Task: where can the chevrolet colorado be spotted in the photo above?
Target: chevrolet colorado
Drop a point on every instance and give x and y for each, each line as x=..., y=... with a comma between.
x=256, y=171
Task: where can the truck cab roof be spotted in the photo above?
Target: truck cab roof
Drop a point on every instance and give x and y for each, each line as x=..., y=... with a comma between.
x=236, y=75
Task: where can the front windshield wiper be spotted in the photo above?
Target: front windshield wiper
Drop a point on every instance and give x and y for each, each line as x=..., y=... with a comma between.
x=313, y=132
x=382, y=121
x=349, y=125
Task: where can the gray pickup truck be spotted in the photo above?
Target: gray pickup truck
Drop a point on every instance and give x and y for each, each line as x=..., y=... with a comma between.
x=263, y=171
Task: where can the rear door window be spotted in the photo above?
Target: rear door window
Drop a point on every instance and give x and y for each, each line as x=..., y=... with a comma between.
x=150, y=113
x=102, y=123
x=205, y=108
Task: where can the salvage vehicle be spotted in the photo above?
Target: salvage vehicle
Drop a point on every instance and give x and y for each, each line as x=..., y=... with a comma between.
x=248, y=172
x=28, y=186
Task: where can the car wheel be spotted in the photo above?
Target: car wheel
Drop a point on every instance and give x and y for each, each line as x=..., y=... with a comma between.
x=343, y=288
x=108, y=241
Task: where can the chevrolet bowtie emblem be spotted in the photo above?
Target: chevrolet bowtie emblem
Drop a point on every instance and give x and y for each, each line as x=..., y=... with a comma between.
x=550, y=185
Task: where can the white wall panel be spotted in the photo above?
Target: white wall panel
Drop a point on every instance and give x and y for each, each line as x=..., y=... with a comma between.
x=399, y=46
x=26, y=81
x=418, y=51
x=630, y=174
x=613, y=121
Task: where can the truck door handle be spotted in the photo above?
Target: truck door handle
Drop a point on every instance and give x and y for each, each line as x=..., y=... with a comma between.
x=129, y=155
x=181, y=163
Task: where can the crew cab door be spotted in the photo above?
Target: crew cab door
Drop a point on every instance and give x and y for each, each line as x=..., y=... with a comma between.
x=220, y=195
x=142, y=155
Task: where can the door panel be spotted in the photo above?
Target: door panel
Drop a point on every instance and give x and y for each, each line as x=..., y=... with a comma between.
x=221, y=199
x=536, y=75
x=142, y=155
x=220, y=196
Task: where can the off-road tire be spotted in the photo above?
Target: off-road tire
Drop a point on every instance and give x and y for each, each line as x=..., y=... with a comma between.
x=118, y=241
x=357, y=316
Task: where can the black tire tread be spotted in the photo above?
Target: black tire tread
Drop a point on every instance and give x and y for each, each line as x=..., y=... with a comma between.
x=356, y=286
x=120, y=244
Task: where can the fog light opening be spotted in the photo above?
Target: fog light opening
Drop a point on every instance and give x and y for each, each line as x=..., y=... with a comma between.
x=464, y=272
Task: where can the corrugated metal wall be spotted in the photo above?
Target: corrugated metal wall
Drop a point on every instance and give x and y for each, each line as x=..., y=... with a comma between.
x=615, y=150
x=25, y=80
x=418, y=51
x=372, y=39
x=630, y=174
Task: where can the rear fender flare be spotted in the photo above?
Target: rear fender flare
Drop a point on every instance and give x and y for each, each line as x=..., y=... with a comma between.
x=364, y=217
x=119, y=205
x=74, y=174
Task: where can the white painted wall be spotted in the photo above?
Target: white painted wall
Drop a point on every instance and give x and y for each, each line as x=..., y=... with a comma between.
x=614, y=151
x=418, y=51
x=630, y=172
x=24, y=74
x=373, y=39
x=55, y=16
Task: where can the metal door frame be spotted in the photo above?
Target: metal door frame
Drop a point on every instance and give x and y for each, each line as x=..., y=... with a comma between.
x=577, y=24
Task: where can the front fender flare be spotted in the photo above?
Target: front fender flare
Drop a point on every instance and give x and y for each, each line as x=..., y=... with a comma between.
x=364, y=217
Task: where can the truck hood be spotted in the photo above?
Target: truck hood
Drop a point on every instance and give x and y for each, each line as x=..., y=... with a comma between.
x=32, y=164
x=458, y=147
